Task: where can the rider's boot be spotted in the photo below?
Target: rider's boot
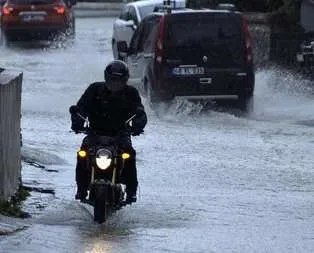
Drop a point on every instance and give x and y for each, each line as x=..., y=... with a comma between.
x=130, y=198
x=81, y=194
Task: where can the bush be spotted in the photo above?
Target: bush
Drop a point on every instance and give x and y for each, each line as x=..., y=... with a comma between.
x=13, y=207
x=286, y=13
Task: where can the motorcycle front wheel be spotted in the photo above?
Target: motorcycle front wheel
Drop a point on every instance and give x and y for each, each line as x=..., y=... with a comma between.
x=100, y=203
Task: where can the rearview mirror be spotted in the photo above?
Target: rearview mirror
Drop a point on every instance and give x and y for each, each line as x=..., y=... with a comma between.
x=74, y=109
x=131, y=24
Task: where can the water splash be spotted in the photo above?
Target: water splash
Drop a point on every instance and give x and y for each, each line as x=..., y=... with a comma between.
x=282, y=94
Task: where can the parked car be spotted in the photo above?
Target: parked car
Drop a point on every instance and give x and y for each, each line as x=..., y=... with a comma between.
x=192, y=54
x=305, y=56
x=130, y=17
x=37, y=18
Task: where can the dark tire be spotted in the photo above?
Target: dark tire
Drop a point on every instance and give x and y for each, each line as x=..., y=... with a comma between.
x=100, y=207
x=118, y=197
x=72, y=29
x=5, y=39
x=2, y=38
x=115, y=52
x=153, y=98
x=245, y=103
x=144, y=87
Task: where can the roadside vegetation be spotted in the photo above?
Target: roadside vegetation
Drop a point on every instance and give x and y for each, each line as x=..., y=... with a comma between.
x=13, y=208
x=285, y=13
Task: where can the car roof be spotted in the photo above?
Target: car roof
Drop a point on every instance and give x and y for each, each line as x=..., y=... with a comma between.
x=154, y=2
x=191, y=11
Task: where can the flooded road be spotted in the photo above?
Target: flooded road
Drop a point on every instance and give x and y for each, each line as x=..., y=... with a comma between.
x=209, y=181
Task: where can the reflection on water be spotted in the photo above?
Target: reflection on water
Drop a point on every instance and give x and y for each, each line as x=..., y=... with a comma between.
x=40, y=44
x=99, y=247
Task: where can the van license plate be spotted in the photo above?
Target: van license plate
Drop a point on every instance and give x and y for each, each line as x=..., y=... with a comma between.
x=188, y=71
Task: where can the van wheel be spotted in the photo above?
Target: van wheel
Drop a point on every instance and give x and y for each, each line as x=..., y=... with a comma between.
x=72, y=29
x=245, y=103
x=144, y=87
x=115, y=52
x=148, y=92
x=152, y=98
x=4, y=39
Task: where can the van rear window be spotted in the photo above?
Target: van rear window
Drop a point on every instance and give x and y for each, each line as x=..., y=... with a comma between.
x=215, y=35
x=33, y=2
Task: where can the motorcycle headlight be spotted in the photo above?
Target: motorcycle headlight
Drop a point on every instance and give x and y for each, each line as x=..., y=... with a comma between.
x=103, y=158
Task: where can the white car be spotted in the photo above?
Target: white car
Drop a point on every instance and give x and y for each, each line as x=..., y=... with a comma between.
x=129, y=18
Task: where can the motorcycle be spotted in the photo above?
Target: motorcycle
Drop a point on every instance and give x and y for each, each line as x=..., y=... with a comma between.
x=105, y=160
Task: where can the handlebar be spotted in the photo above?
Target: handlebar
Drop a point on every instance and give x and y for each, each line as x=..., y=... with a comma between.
x=127, y=126
x=90, y=131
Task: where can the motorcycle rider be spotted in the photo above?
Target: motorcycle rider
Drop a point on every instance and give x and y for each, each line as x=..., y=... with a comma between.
x=108, y=105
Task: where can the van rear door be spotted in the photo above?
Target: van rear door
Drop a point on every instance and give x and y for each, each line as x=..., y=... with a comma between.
x=209, y=40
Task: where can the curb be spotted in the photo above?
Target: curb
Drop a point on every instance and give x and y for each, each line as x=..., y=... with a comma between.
x=96, y=13
x=10, y=225
x=98, y=6
x=86, y=9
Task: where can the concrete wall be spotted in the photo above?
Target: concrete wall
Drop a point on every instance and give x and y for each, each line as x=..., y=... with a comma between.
x=10, y=117
x=307, y=15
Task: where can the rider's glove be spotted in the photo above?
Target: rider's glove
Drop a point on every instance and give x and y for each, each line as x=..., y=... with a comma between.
x=77, y=123
x=136, y=132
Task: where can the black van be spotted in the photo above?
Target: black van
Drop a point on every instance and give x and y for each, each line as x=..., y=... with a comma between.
x=192, y=54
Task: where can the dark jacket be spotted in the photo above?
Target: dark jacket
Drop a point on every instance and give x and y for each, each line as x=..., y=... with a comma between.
x=107, y=112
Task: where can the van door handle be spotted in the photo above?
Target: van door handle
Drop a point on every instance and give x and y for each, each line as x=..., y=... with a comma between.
x=134, y=64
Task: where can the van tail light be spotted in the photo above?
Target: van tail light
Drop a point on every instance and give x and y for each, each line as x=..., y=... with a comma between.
x=160, y=40
x=6, y=10
x=60, y=10
x=248, y=41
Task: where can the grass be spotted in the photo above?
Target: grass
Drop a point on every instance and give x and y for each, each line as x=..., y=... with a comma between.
x=13, y=208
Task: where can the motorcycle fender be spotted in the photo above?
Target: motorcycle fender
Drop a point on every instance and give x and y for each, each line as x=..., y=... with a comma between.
x=101, y=187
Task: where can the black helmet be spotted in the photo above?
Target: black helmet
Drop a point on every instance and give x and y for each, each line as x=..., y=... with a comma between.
x=116, y=75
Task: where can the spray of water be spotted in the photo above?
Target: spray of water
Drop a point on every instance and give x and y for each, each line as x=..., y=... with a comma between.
x=280, y=95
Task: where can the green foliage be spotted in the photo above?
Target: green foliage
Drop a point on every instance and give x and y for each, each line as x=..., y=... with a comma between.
x=289, y=7
x=286, y=13
x=7, y=208
x=273, y=5
x=22, y=194
x=13, y=208
x=251, y=5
